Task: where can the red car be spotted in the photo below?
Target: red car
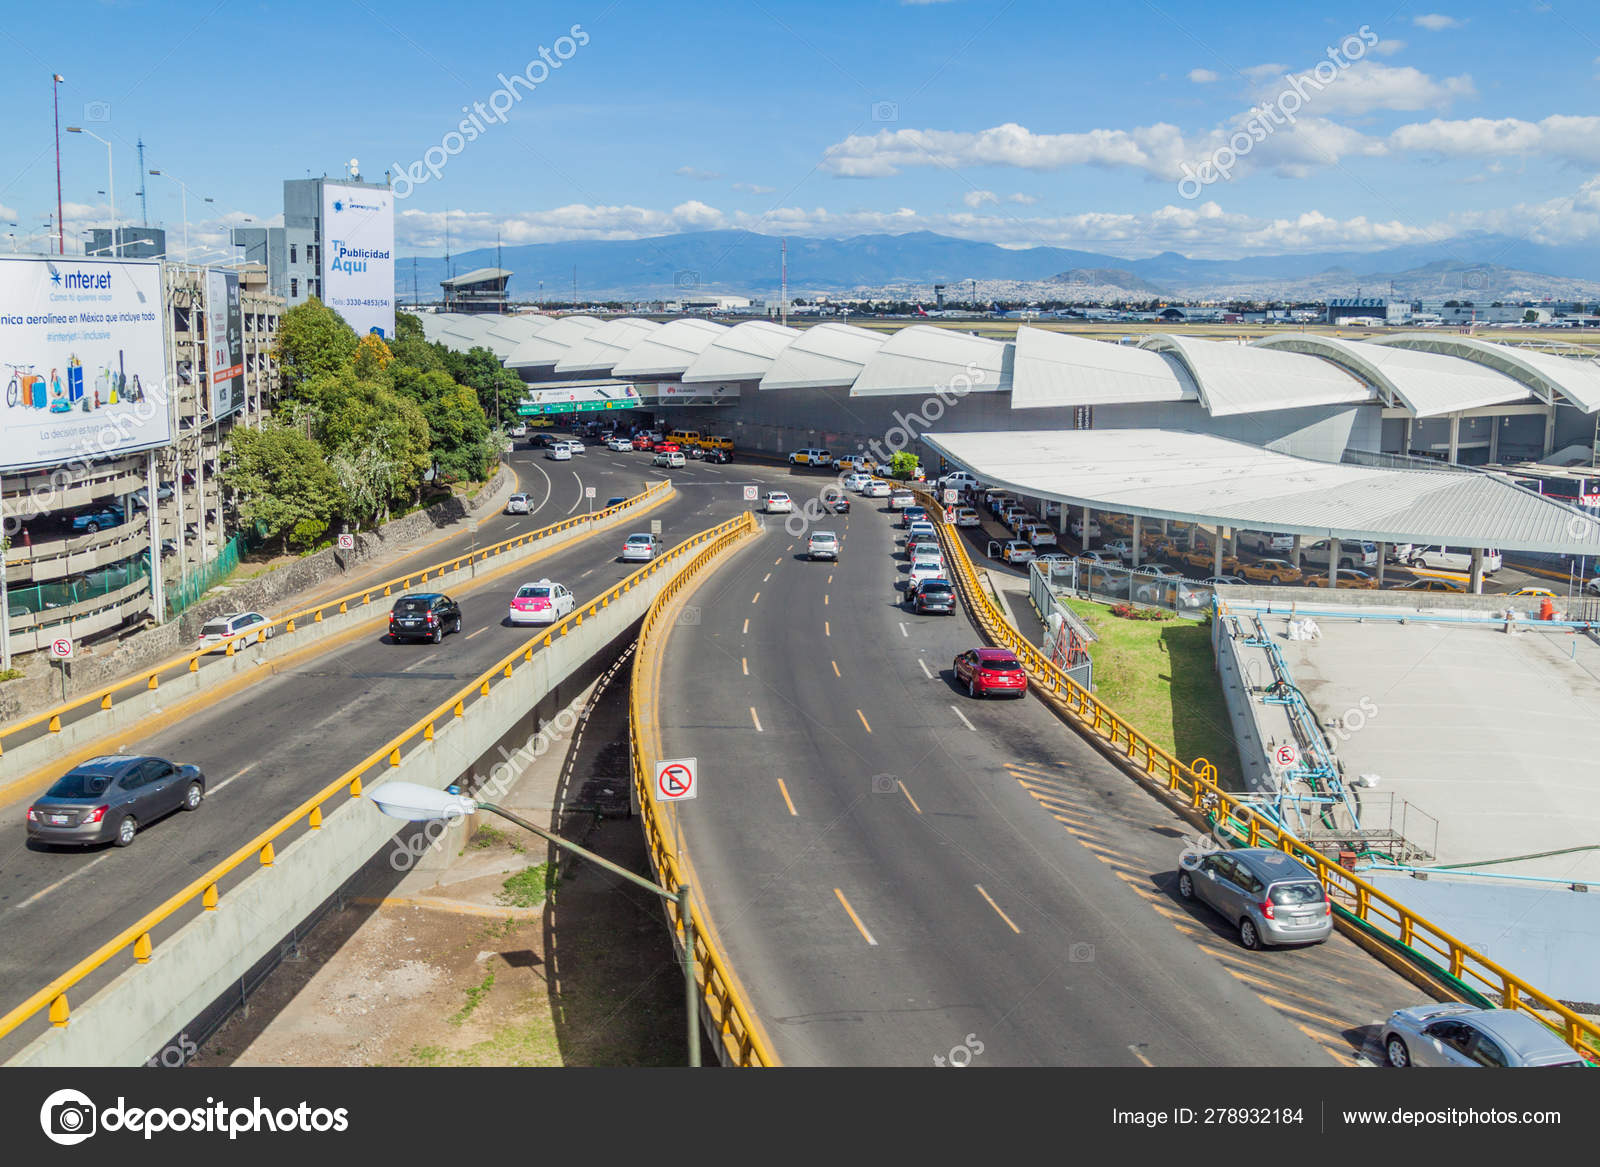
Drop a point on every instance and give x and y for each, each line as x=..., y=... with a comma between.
x=643, y=442
x=991, y=670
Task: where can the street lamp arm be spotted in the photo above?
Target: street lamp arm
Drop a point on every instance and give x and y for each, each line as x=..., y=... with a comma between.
x=577, y=850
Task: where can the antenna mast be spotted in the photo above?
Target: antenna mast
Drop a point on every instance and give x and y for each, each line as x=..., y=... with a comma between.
x=784, y=264
x=144, y=207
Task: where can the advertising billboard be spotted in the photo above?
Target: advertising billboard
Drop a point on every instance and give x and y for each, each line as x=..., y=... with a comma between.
x=224, y=342
x=358, y=256
x=83, y=357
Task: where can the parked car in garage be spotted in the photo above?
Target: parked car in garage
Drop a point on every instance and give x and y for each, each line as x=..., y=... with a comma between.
x=1352, y=553
x=1428, y=585
x=99, y=518
x=1267, y=571
x=1270, y=897
x=1453, y=559
x=110, y=798
x=1353, y=578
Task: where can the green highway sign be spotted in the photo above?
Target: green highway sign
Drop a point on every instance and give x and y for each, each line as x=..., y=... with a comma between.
x=573, y=407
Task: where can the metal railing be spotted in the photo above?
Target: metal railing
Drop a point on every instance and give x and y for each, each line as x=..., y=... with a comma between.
x=138, y=937
x=182, y=594
x=150, y=678
x=741, y=1038
x=1194, y=789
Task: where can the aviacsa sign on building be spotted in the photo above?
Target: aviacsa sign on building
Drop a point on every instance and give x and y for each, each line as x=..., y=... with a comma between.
x=358, y=256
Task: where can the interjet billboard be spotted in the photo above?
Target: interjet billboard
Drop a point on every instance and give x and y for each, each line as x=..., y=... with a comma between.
x=358, y=256
x=83, y=358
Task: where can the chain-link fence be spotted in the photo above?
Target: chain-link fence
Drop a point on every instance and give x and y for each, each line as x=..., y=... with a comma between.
x=1155, y=587
x=186, y=592
x=41, y=598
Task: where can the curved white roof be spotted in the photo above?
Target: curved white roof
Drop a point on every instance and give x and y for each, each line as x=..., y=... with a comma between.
x=745, y=352
x=1060, y=369
x=823, y=357
x=1236, y=378
x=1426, y=384
x=670, y=349
x=521, y=328
x=552, y=343
x=922, y=358
x=1546, y=374
x=603, y=347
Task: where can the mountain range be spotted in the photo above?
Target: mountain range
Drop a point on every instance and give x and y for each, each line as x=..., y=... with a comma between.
x=748, y=264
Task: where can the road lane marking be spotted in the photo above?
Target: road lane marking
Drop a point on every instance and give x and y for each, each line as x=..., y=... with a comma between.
x=830, y=578
x=924, y=665
x=1134, y=1050
x=824, y=599
x=755, y=719
x=777, y=561
x=1009, y=923
x=787, y=799
x=744, y=663
x=963, y=718
x=755, y=597
x=233, y=778
x=577, y=502
x=863, y=718
x=826, y=631
x=836, y=671
x=907, y=793
x=860, y=927
x=766, y=577
x=903, y=631
x=44, y=891
x=746, y=626
x=479, y=632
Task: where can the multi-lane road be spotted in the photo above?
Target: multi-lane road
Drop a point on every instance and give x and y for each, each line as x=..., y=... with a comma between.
x=898, y=872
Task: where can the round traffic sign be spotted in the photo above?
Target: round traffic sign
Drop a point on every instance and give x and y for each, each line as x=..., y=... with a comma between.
x=61, y=648
x=1286, y=756
x=347, y=542
x=675, y=779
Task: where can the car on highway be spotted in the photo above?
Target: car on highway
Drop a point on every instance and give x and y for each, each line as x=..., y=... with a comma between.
x=542, y=602
x=574, y=445
x=109, y=798
x=913, y=514
x=1270, y=897
x=841, y=505
x=215, y=633
x=671, y=459
x=926, y=567
x=957, y=480
x=558, y=452
x=811, y=457
x=778, y=503
x=967, y=517
x=716, y=455
x=1268, y=571
x=823, y=545
x=1017, y=551
x=990, y=670
x=1427, y=585
x=920, y=527
x=1351, y=578
x=877, y=488
x=99, y=519
x=615, y=500
x=518, y=504
x=932, y=595
x=424, y=616
x=855, y=480
x=1452, y=1033
x=619, y=444
x=900, y=499
x=919, y=540
x=640, y=546
x=643, y=442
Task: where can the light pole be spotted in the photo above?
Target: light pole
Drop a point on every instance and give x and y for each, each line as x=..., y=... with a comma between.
x=55, y=90
x=415, y=803
x=185, y=189
x=111, y=187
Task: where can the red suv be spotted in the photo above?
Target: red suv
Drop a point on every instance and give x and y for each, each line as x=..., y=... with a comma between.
x=991, y=670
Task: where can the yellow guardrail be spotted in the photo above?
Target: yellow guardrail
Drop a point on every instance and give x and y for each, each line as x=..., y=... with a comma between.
x=742, y=1041
x=138, y=936
x=150, y=678
x=1195, y=789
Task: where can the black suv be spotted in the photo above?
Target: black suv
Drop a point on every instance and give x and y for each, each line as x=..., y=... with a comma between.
x=424, y=616
x=717, y=456
x=933, y=595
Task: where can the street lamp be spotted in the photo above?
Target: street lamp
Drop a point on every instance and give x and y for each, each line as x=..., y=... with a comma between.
x=183, y=187
x=111, y=186
x=415, y=803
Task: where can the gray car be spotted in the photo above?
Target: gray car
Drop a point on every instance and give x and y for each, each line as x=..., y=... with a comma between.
x=1453, y=1034
x=108, y=799
x=1271, y=897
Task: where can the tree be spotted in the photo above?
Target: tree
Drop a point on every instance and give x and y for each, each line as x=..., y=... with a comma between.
x=312, y=339
x=1530, y=317
x=281, y=482
x=460, y=432
x=377, y=442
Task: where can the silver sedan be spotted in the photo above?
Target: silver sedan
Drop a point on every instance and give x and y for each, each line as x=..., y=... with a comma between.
x=1453, y=1034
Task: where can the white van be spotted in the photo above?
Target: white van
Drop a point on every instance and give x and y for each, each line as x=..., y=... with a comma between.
x=1453, y=559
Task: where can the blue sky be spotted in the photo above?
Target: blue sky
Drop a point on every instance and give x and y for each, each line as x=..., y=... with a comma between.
x=1018, y=123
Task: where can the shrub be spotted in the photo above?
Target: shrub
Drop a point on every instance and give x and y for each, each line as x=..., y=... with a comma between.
x=1129, y=612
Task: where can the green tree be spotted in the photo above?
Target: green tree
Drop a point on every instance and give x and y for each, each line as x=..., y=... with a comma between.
x=377, y=442
x=281, y=482
x=411, y=347
x=312, y=339
x=903, y=464
x=460, y=432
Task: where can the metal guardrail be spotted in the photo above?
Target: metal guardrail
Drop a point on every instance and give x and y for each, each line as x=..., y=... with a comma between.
x=742, y=1042
x=206, y=890
x=1194, y=788
x=190, y=662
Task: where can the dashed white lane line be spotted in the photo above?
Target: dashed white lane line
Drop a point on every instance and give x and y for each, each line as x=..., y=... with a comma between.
x=44, y=891
x=963, y=718
x=903, y=631
x=232, y=778
x=746, y=626
x=744, y=664
x=925, y=671
x=479, y=632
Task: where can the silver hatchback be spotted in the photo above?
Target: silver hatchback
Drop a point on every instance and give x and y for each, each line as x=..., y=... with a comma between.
x=1271, y=897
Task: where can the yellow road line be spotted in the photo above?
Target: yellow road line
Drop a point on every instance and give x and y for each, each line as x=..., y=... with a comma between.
x=744, y=663
x=766, y=577
x=755, y=719
x=907, y=793
x=746, y=626
x=789, y=801
x=824, y=599
x=826, y=631
x=755, y=597
x=860, y=927
x=863, y=718
x=836, y=671
x=996, y=907
x=1134, y=1050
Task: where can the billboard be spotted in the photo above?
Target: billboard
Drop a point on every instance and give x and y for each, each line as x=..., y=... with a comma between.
x=83, y=358
x=224, y=342
x=358, y=256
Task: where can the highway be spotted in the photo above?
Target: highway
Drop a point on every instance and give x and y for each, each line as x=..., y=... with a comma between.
x=293, y=731
x=900, y=874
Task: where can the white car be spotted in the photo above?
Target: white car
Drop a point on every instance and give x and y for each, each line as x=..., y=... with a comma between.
x=1121, y=548
x=620, y=444
x=967, y=517
x=877, y=488
x=778, y=503
x=640, y=547
x=856, y=481
x=214, y=633
x=958, y=480
x=517, y=504
x=520, y=430
x=575, y=446
x=671, y=459
x=559, y=452
x=926, y=567
x=823, y=545
x=900, y=499
x=1267, y=542
x=921, y=527
x=543, y=602
x=1076, y=527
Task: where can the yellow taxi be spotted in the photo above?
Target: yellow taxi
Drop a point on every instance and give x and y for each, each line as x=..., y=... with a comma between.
x=1267, y=571
x=1348, y=578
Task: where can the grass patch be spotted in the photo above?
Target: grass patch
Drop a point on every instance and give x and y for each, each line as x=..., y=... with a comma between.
x=528, y=887
x=475, y=996
x=487, y=836
x=1161, y=676
x=10, y=674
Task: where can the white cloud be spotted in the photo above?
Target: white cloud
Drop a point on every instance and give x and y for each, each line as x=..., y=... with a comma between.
x=1388, y=48
x=753, y=188
x=1026, y=200
x=1202, y=76
x=1563, y=136
x=1262, y=72
x=976, y=198
x=1367, y=86
x=696, y=174
x=1435, y=22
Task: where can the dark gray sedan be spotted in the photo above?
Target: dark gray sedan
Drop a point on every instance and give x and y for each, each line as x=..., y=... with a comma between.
x=1454, y=1034
x=107, y=799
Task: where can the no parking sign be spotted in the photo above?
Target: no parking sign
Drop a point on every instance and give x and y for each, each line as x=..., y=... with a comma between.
x=676, y=779
x=1286, y=756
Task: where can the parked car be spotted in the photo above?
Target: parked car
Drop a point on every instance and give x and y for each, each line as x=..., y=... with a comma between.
x=1266, y=542
x=1455, y=1034
x=823, y=545
x=543, y=602
x=518, y=504
x=101, y=518
x=1428, y=585
x=1269, y=571
x=1017, y=551
x=1076, y=528
x=520, y=430
x=1353, y=578
x=778, y=503
x=109, y=798
x=1352, y=553
x=643, y=442
x=671, y=459
x=141, y=497
x=811, y=457
x=1121, y=548
x=1041, y=537
x=215, y=633
x=932, y=595
x=1223, y=581
x=641, y=546
x=1270, y=897
x=716, y=455
x=967, y=517
x=424, y=616
x=958, y=480
x=1453, y=559
x=1540, y=593
x=990, y=670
